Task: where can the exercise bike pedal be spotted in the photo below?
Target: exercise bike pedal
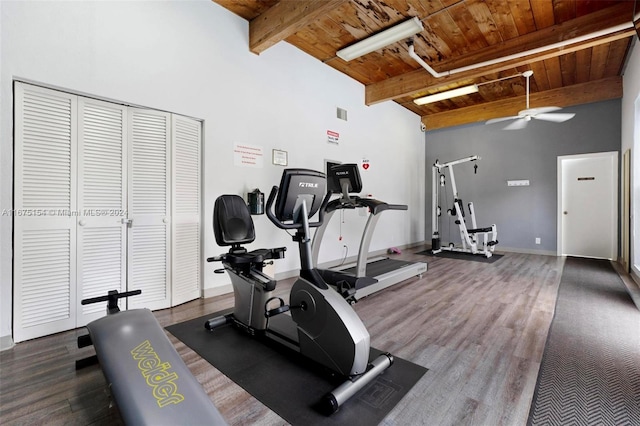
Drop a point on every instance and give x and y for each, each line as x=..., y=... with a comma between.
x=346, y=291
x=349, y=295
x=282, y=308
x=276, y=311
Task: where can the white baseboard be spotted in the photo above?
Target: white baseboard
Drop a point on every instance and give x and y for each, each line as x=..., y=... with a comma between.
x=501, y=249
x=526, y=251
x=6, y=342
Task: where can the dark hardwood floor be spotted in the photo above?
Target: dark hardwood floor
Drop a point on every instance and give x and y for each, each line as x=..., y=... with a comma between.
x=479, y=328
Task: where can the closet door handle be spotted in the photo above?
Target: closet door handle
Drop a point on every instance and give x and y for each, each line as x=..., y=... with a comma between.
x=127, y=222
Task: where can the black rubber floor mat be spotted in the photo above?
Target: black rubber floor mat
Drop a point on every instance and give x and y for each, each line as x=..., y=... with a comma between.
x=287, y=383
x=463, y=256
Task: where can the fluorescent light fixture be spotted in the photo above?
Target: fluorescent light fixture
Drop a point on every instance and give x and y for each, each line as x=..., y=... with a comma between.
x=465, y=90
x=378, y=41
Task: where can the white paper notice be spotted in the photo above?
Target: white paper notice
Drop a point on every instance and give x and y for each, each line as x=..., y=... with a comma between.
x=246, y=155
x=333, y=137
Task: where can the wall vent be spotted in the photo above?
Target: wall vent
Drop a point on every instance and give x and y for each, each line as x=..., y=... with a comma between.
x=341, y=114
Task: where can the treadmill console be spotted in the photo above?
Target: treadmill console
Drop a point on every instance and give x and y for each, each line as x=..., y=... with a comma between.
x=344, y=179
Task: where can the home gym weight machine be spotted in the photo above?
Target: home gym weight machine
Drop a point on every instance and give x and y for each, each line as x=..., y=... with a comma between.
x=322, y=325
x=468, y=236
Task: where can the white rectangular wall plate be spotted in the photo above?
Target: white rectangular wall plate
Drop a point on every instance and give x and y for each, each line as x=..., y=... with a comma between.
x=521, y=182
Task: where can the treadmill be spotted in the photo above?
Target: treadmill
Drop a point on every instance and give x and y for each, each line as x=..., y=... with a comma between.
x=366, y=276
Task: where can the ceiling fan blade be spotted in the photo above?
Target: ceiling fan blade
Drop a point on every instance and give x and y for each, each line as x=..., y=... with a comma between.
x=517, y=125
x=558, y=117
x=498, y=120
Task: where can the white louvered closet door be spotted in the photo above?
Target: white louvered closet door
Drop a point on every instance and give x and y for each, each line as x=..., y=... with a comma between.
x=44, y=228
x=102, y=137
x=186, y=196
x=93, y=183
x=149, y=254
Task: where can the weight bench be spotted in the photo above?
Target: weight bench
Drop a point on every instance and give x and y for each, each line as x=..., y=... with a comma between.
x=149, y=382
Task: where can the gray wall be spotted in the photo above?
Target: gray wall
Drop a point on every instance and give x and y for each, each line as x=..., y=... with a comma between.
x=520, y=213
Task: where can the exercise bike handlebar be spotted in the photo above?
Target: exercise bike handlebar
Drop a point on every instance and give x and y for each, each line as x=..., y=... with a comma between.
x=295, y=225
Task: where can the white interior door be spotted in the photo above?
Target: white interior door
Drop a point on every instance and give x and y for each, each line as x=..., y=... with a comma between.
x=588, y=200
x=149, y=254
x=44, y=249
x=102, y=203
x=186, y=196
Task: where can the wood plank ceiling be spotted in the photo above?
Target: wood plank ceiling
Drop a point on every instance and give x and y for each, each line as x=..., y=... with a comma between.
x=459, y=33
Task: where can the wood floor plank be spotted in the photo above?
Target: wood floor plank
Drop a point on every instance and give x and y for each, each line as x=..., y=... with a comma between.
x=480, y=329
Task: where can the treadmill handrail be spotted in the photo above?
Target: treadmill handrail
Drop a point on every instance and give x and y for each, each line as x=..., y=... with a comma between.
x=374, y=205
x=339, y=204
x=377, y=206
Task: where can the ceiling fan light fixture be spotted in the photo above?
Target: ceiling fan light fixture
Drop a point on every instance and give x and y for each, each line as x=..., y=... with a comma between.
x=460, y=91
x=542, y=113
x=384, y=38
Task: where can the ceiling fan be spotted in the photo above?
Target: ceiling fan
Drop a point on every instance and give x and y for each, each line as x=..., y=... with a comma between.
x=524, y=116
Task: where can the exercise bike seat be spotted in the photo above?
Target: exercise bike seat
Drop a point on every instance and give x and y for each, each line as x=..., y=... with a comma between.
x=233, y=226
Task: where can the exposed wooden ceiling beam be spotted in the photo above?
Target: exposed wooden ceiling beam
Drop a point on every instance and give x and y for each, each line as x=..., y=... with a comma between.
x=285, y=18
x=420, y=80
x=600, y=90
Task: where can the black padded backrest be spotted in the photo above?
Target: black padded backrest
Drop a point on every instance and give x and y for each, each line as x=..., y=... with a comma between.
x=232, y=222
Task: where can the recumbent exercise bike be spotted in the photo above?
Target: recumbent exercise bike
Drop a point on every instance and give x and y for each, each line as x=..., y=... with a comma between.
x=322, y=326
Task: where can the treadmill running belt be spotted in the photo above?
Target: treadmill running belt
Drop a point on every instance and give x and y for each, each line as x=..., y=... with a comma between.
x=379, y=267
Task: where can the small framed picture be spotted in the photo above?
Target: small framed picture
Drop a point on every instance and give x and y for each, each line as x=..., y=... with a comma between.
x=279, y=158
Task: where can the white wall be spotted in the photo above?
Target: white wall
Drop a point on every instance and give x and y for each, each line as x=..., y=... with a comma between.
x=631, y=140
x=192, y=58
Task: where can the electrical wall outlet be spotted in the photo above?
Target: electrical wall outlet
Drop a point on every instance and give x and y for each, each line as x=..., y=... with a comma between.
x=537, y=240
